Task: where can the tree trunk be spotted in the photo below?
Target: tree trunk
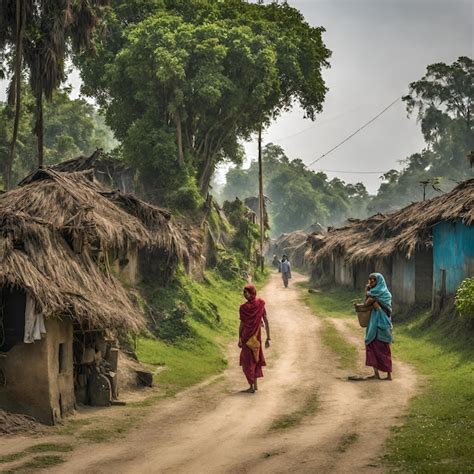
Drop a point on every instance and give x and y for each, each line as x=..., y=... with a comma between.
x=17, y=84
x=206, y=175
x=179, y=139
x=39, y=127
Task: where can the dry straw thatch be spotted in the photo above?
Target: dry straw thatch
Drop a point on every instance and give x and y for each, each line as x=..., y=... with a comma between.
x=293, y=245
x=49, y=227
x=403, y=231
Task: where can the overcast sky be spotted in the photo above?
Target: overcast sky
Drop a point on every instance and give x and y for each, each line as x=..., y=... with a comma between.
x=379, y=47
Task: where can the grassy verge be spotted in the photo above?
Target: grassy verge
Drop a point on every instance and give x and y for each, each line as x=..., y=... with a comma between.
x=436, y=434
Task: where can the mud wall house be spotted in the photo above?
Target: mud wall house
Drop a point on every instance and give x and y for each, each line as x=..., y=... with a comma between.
x=334, y=255
x=61, y=304
x=292, y=244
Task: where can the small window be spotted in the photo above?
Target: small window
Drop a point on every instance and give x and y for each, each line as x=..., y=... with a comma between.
x=62, y=357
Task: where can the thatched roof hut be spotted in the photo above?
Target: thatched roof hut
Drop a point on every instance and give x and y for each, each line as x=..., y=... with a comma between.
x=53, y=224
x=292, y=244
x=402, y=231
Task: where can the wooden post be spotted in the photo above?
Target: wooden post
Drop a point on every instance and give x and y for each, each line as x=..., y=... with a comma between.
x=261, y=198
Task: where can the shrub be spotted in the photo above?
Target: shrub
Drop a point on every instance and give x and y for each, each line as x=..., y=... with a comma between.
x=465, y=299
x=175, y=324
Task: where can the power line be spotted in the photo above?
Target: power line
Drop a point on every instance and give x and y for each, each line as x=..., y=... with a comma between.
x=352, y=172
x=373, y=119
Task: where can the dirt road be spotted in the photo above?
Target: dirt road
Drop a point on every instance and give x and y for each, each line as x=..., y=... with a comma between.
x=214, y=428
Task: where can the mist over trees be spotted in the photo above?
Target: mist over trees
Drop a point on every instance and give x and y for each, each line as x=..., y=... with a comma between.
x=443, y=100
x=299, y=197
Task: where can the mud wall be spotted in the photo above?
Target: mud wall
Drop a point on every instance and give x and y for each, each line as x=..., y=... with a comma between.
x=39, y=376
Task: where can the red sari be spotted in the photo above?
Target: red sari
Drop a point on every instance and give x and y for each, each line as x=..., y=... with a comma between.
x=251, y=316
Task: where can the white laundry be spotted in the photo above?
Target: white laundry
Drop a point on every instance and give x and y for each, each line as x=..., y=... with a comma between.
x=34, y=322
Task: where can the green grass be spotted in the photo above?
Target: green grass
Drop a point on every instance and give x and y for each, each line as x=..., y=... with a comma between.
x=345, y=351
x=39, y=462
x=189, y=360
x=334, y=302
x=50, y=447
x=11, y=457
x=437, y=433
x=35, y=449
x=295, y=418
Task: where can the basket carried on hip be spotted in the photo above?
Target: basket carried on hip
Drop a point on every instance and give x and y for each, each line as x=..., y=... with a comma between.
x=363, y=313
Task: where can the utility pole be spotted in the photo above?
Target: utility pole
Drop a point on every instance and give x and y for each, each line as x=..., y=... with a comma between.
x=261, y=197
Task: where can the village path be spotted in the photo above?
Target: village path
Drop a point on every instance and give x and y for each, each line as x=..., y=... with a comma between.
x=213, y=428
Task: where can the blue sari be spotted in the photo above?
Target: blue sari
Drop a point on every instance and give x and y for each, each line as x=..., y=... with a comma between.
x=380, y=325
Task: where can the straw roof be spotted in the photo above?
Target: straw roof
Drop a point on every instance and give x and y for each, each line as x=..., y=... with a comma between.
x=404, y=231
x=47, y=227
x=293, y=245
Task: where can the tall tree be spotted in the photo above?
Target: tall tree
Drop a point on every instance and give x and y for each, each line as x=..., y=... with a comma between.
x=40, y=37
x=183, y=83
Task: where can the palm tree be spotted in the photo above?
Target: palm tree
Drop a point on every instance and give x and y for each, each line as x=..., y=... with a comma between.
x=12, y=26
x=41, y=34
x=64, y=27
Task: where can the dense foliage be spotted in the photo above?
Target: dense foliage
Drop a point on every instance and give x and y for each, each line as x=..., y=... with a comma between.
x=182, y=82
x=465, y=299
x=299, y=197
x=444, y=101
x=72, y=128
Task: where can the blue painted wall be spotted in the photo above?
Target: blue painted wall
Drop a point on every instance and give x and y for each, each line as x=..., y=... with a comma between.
x=453, y=251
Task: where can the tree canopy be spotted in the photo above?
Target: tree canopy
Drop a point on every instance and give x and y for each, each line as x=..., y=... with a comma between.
x=182, y=82
x=72, y=127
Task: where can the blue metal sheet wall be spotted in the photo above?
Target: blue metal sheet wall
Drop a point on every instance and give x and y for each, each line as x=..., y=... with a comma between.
x=453, y=251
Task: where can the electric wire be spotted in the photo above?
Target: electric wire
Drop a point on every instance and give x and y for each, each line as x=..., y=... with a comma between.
x=366, y=124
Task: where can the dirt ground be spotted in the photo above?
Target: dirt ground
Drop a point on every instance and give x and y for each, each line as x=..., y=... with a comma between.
x=214, y=428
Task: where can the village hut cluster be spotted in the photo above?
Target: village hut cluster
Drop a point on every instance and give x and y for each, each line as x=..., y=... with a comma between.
x=69, y=246
x=424, y=250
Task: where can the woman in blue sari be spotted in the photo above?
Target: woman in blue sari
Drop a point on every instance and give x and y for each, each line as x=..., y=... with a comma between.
x=378, y=335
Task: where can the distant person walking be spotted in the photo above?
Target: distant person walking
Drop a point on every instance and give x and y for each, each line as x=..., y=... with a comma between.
x=378, y=335
x=276, y=262
x=285, y=270
x=252, y=315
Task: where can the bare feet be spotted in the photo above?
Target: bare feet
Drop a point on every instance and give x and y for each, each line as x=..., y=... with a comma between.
x=249, y=390
x=255, y=386
x=373, y=377
x=389, y=376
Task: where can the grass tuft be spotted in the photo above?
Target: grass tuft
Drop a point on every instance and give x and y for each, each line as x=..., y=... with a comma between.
x=290, y=420
x=346, y=441
x=345, y=351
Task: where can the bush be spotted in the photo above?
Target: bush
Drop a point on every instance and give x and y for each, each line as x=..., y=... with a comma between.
x=465, y=299
x=175, y=324
x=227, y=265
x=187, y=197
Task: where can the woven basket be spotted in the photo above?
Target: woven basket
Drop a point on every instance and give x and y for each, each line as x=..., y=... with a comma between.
x=363, y=313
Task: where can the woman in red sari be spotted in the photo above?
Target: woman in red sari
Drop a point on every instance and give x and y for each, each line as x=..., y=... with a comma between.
x=252, y=314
